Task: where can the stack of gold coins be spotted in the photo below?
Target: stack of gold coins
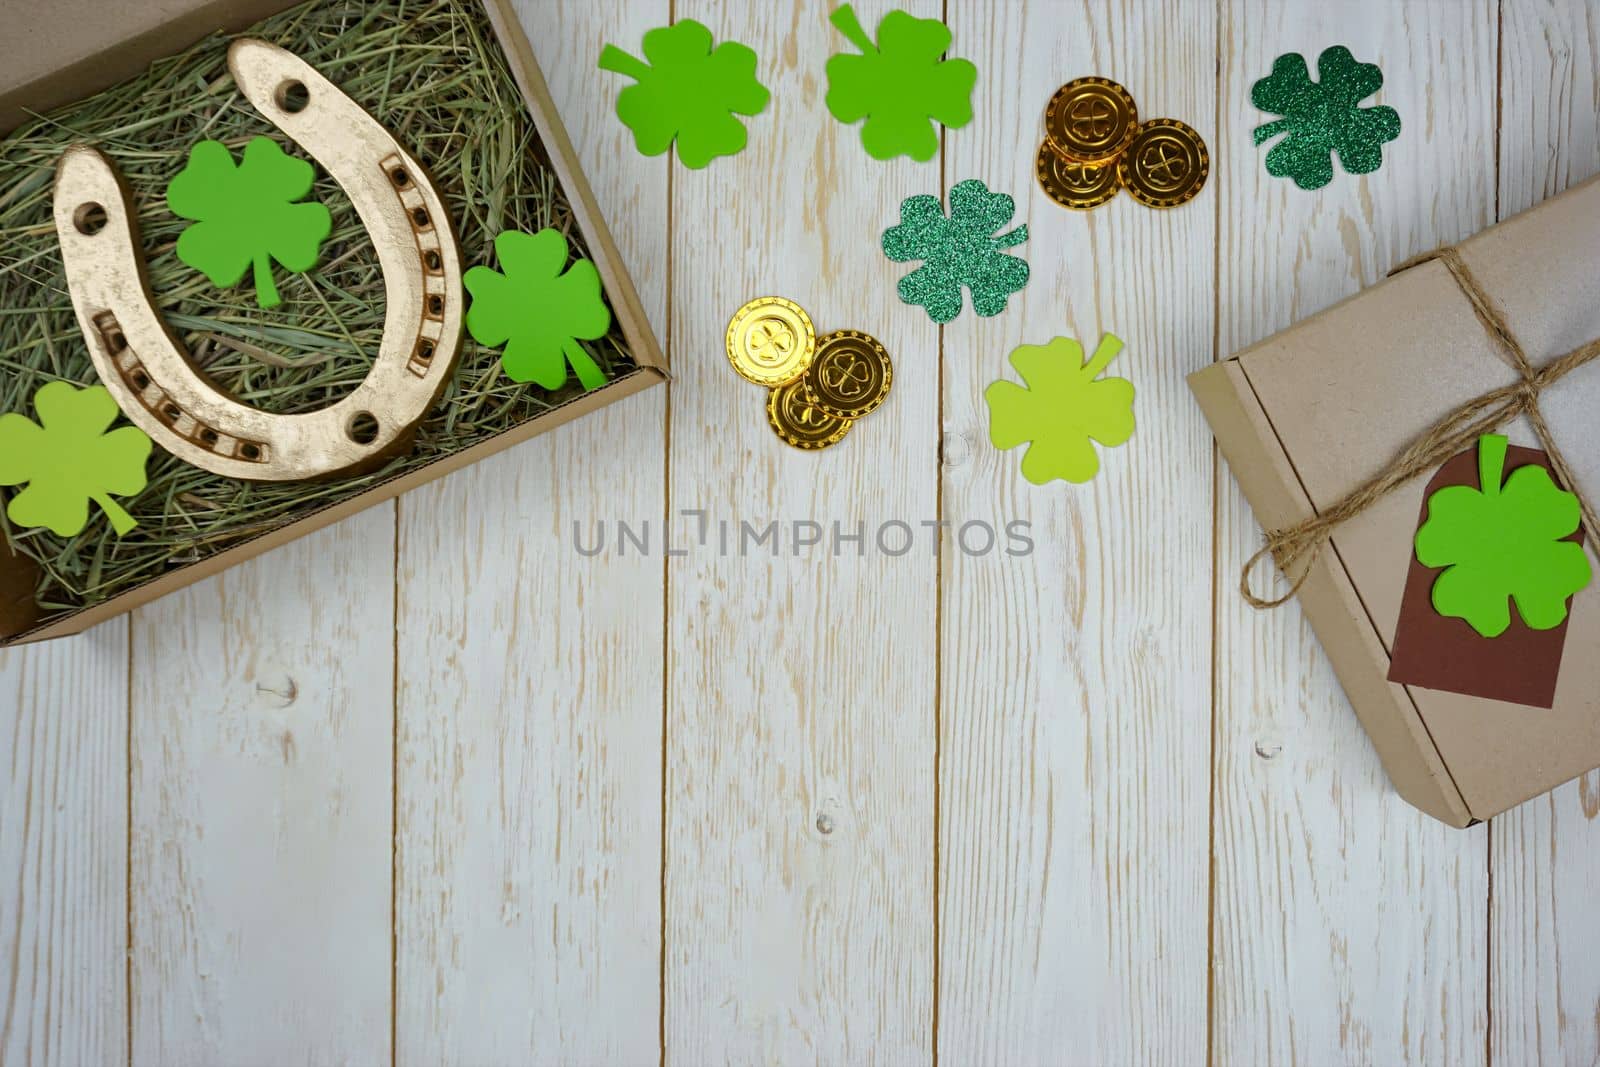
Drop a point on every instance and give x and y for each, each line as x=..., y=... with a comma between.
x=1095, y=145
x=817, y=387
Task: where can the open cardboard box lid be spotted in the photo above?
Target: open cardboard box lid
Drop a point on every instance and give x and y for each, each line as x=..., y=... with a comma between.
x=64, y=50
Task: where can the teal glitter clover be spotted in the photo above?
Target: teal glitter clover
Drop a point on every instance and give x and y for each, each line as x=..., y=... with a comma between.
x=1323, y=117
x=960, y=250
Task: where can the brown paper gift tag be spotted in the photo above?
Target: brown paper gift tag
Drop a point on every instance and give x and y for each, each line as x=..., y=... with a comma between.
x=1435, y=652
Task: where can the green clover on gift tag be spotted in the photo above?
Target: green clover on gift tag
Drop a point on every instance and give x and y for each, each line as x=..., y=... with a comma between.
x=248, y=216
x=1504, y=542
x=1064, y=407
x=959, y=250
x=1323, y=117
x=537, y=312
x=900, y=85
x=688, y=92
x=68, y=459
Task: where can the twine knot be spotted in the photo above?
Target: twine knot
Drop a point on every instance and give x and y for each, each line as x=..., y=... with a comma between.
x=1295, y=548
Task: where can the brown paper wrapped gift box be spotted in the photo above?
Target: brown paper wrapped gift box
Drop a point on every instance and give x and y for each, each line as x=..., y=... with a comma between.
x=67, y=49
x=1309, y=414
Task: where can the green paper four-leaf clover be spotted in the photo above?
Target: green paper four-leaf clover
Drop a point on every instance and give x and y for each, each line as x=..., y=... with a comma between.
x=536, y=311
x=1499, y=543
x=959, y=250
x=688, y=91
x=247, y=215
x=1061, y=409
x=68, y=459
x=1323, y=117
x=899, y=85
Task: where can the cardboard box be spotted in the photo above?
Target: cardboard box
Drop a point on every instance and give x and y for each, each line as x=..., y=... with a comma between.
x=68, y=49
x=1309, y=414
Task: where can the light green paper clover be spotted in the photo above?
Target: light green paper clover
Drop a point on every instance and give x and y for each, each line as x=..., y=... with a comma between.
x=538, y=313
x=960, y=250
x=246, y=215
x=688, y=91
x=1500, y=543
x=899, y=85
x=1061, y=409
x=68, y=459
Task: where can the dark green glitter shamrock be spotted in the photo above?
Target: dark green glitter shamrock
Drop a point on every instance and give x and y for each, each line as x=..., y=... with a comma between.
x=1322, y=117
x=960, y=250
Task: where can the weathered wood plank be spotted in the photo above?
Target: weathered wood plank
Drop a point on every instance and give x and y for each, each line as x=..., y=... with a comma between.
x=1349, y=928
x=529, y=922
x=63, y=851
x=1545, y=855
x=262, y=742
x=800, y=743
x=1075, y=713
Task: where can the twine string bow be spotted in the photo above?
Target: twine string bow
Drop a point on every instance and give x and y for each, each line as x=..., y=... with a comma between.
x=1295, y=548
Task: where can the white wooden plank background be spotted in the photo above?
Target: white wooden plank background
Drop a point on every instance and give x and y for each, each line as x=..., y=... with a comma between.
x=1345, y=928
x=433, y=787
x=1075, y=718
x=1545, y=854
x=260, y=806
x=64, y=850
x=528, y=784
x=800, y=694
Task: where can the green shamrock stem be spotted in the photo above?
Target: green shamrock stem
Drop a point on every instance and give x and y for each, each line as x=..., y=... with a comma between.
x=1491, y=463
x=1010, y=240
x=844, y=19
x=121, y=521
x=589, y=372
x=266, y=289
x=617, y=61
x=1110, y=348
x=1268, y=130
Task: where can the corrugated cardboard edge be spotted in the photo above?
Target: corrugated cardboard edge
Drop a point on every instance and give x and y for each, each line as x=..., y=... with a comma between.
x=633, y=382
x=1264, y=472
x=646, y=351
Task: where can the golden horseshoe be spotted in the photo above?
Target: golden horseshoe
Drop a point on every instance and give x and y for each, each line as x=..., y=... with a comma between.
x=148, y=371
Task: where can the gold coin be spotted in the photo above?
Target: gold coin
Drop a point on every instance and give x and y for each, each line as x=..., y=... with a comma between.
x=771, y=341
x=1166, y=164
x=1079, y=186
x=850, y=376
x=799, y=421
x=1090, y=120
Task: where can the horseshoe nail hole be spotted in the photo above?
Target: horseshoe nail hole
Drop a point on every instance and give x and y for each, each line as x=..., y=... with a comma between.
x=89, y=219
x=363, y=428
x=400, y=178
x=436, y=305
x=250, y=451
x=141, y=380
x=433, y=261
x=420, y=216
x=425, y=351
x=116, y=342
x=292, y=96
x=208, y=436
